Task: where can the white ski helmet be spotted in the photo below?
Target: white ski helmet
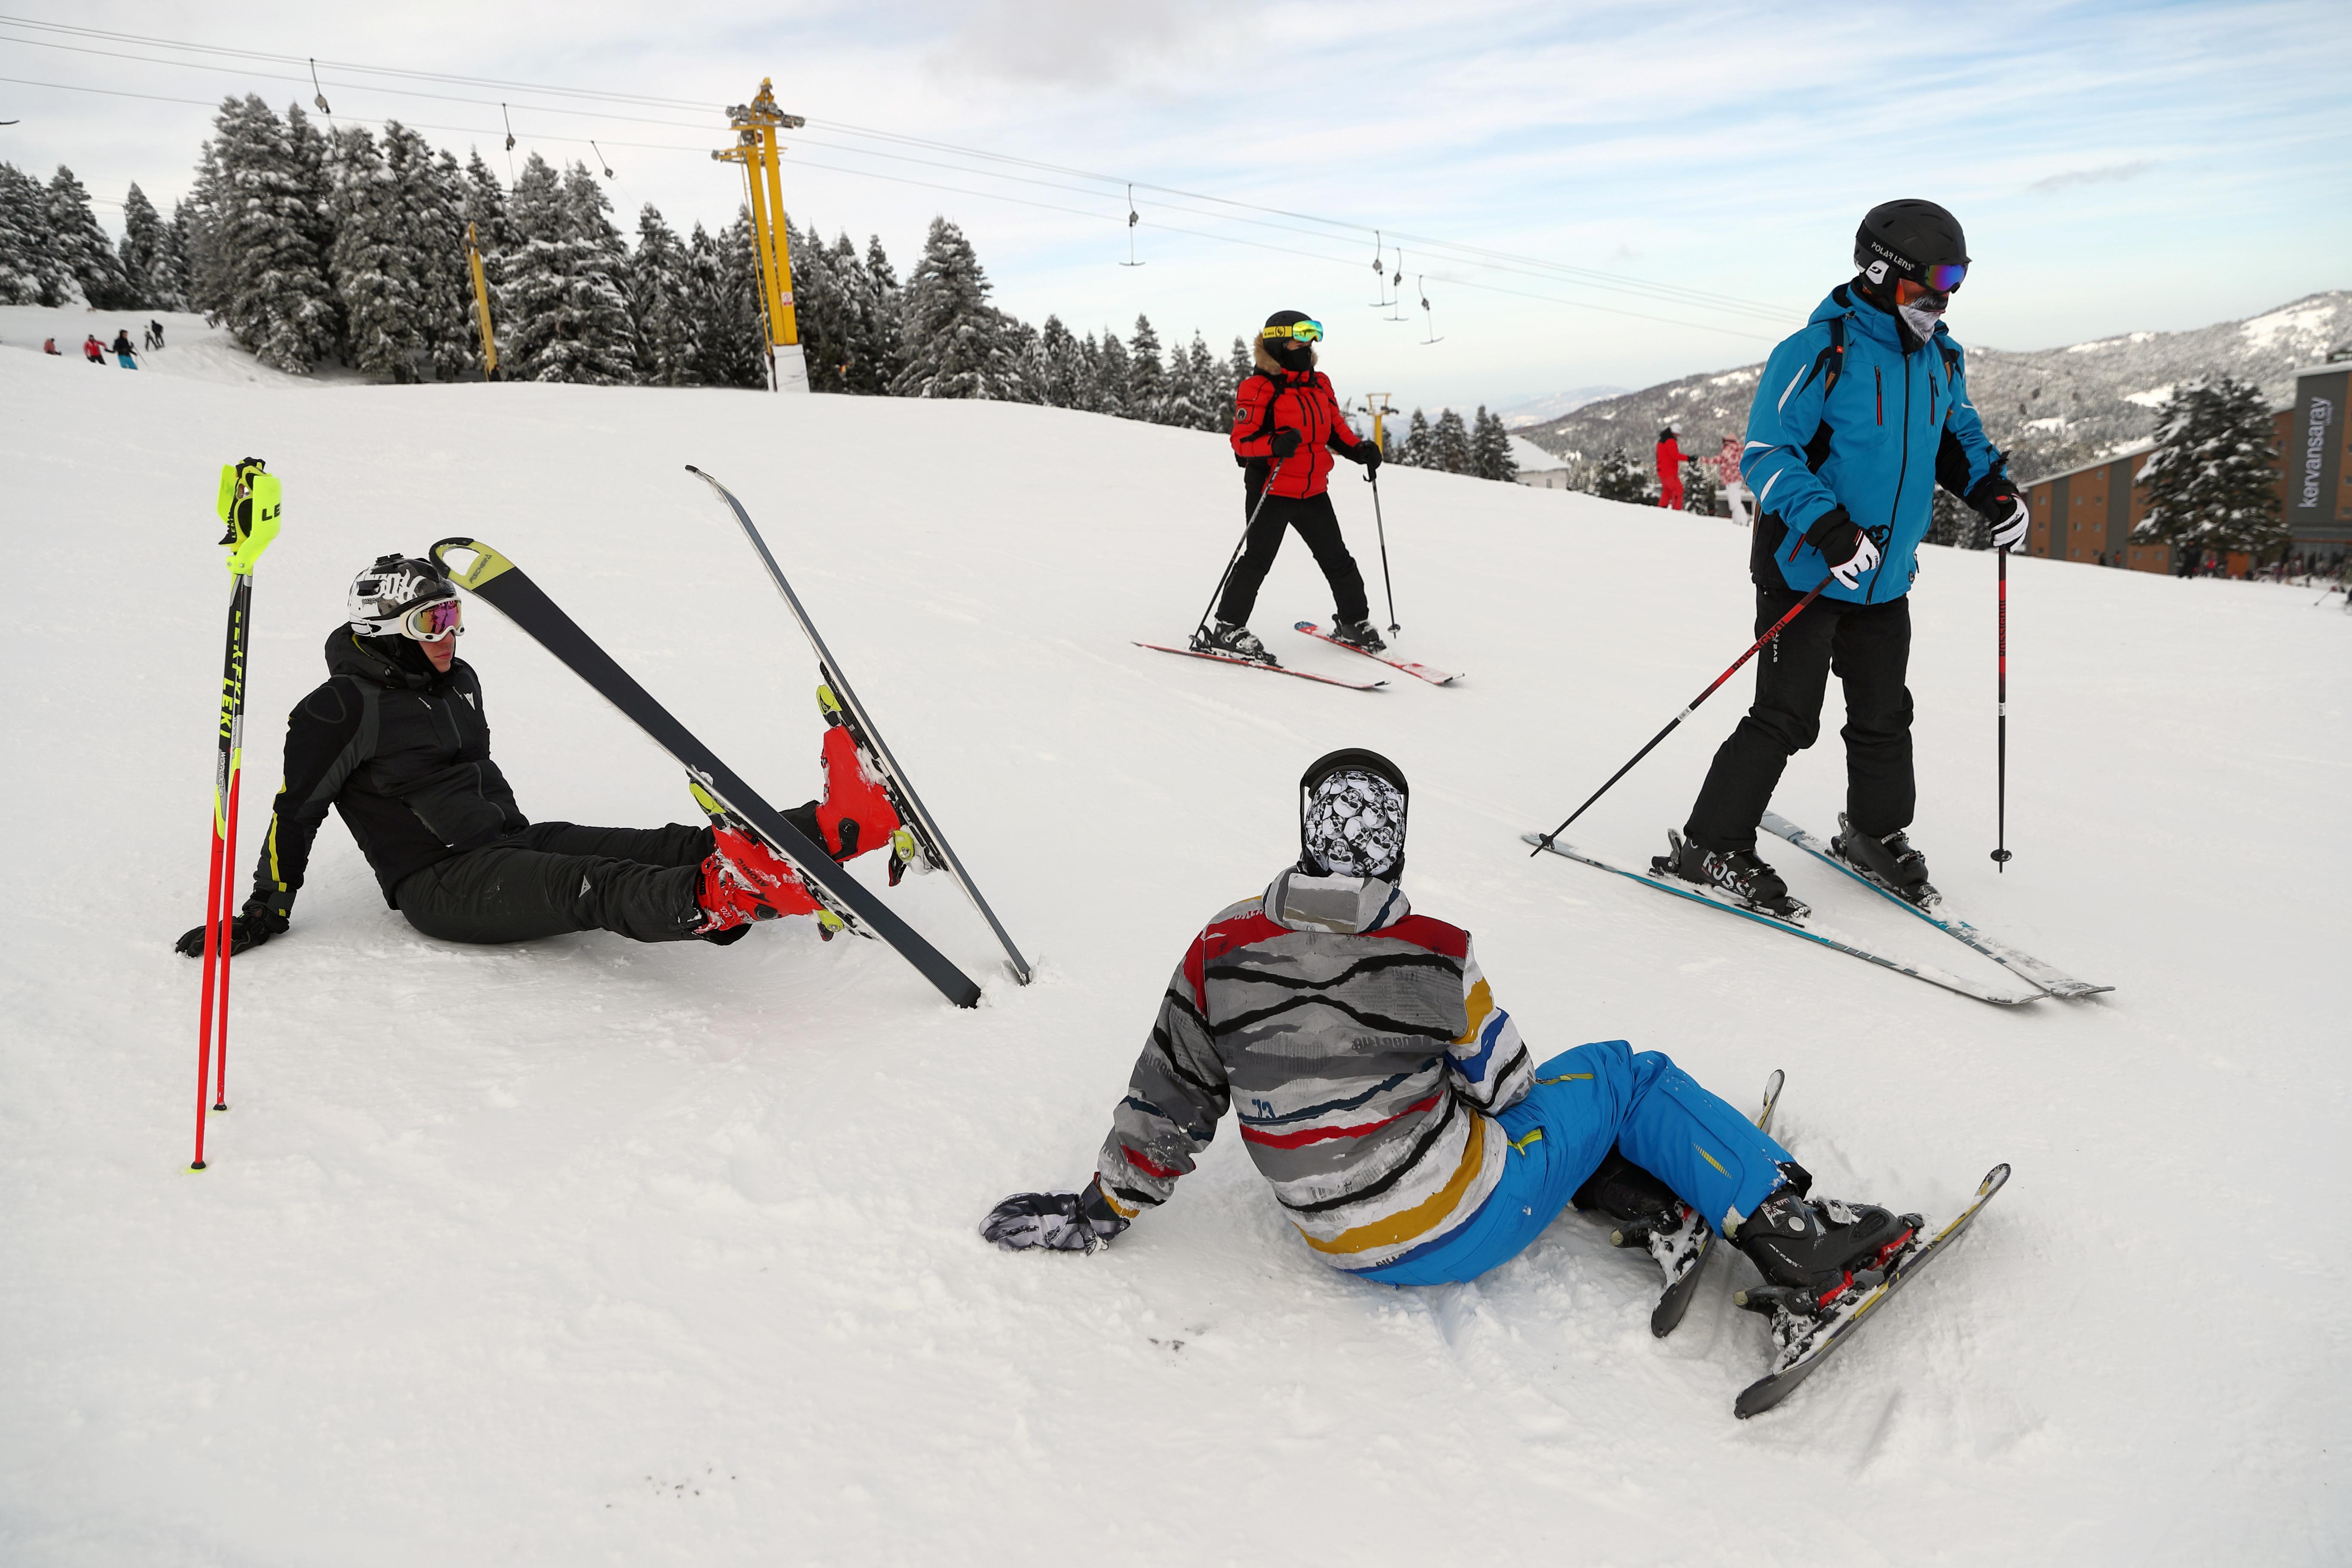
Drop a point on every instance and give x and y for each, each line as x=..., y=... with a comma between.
x=384, y=599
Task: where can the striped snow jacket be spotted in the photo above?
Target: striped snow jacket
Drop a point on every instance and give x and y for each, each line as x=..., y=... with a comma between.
x=1361, y=1052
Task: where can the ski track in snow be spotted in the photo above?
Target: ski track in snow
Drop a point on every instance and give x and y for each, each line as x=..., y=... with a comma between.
x=588, y=1252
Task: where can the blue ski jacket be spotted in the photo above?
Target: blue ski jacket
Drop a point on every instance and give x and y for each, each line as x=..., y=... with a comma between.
x=1844, y=418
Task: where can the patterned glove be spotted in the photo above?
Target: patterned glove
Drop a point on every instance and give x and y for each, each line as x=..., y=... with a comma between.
x=2008, y=529
x=1064, y=1222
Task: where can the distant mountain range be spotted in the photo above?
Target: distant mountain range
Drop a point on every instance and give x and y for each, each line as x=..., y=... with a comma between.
x=1518, y=417
x=2050, y=410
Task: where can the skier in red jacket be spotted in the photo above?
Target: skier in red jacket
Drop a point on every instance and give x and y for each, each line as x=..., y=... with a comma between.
x=1671, y=459
x=1286, y=425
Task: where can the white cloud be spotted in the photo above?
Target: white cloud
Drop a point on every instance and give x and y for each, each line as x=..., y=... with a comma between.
x=2108, y=174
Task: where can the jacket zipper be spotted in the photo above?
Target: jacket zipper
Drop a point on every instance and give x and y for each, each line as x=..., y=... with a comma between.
x=1878, y=385
x=1901, y=473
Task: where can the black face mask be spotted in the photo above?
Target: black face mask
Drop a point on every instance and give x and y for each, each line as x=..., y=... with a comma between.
x=1295, y=357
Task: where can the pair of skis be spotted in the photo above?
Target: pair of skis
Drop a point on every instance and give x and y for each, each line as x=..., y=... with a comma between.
x=2047, y=979
x=1800, y=1342
x=846, y=901
x=1418, y=671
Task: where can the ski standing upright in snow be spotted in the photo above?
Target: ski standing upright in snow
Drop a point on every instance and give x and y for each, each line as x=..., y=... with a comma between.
x=927, y=847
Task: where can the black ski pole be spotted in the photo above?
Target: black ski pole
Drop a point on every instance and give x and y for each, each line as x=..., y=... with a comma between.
x=1688, y=709
x=2001, y=729
x=1372, y=478
x=1236, y=559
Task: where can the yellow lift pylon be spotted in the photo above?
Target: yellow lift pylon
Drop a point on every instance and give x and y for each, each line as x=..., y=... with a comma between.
x=759, y=150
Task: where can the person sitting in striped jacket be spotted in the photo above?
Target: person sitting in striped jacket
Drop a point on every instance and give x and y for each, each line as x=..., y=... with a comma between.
x=1405, y=1128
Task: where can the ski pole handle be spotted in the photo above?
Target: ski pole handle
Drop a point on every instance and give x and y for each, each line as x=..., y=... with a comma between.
x=248, y=505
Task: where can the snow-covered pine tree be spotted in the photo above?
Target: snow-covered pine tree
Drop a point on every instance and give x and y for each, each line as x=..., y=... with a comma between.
x=1113, y=376
x=822, y=308
x=1195, y=400
x=371, y=274
x=178, y=264
x=28, y=275
x=1449, y=444
x=881, y=347
x=660, y=290
x=1490, y=447
x=1147, y=380
x=433, y=207
x=568, y=317
x=2212, y=479
x=1064, y=370
x=1617, y=479
x=81, y=247
x=731, y=335
x=1950, y=522
x=1414, y=453
x=145, y=255
x=1024, y=357
x=261, y=266
x=955, y=340
x=1241, y=365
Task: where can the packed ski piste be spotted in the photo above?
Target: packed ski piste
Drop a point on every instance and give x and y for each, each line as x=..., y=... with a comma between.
x=1406, y=1133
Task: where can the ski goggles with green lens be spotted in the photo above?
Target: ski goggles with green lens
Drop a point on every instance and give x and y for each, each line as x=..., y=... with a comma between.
x=1298, y=331
x=431, y=623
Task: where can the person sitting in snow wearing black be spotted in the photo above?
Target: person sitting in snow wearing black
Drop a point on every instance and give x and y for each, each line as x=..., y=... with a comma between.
x=1286, y=424
x=398, y=741
x=1407, y=1133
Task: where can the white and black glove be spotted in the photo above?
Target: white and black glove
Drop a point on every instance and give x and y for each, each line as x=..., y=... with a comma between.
x=1848, y=549
x=2009, y=527
x=1064, y=1221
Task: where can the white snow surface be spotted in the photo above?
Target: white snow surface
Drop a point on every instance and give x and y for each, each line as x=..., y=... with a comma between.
x=587, y=1252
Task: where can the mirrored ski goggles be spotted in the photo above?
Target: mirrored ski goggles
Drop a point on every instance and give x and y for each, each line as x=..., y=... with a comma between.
x=1942, y=278
x=1302, y=331
x=431, y=623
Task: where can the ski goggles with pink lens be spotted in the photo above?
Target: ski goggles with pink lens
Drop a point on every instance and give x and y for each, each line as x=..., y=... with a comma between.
x=431, y=623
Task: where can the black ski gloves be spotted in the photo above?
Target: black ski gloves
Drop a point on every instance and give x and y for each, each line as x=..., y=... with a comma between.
x=1283, y=442
x=1997, y=501
x=1836, y=536
x=256, y=926
x=1363, y=452
x=1064, y=1221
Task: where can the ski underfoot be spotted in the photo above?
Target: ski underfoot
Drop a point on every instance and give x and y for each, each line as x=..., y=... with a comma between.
x=1419, y=671
x=1267, y=664
x=1803, y=1344
x=1678, y=889
x=2056, y=982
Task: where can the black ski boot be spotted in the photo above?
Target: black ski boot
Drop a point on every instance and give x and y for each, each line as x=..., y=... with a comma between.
x=1890, y=862
x=1647, y=1215
x=1812, y=1251
x=1358, y=634
x=1739, y=872
x=1232, y=641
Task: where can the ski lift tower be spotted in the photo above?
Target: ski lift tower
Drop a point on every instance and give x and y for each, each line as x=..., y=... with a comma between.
x=757, y=150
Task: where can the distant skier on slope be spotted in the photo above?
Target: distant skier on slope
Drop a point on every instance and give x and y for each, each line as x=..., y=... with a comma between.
x=1857, y=419
x=1671, y=458
x=1407, y=1133
x=123, y=352
x=1286, y=424
x=397, y=740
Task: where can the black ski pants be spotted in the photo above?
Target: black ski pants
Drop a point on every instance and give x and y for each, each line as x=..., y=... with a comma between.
x=554, y=877
x=1319, y=525
x=1869, y=648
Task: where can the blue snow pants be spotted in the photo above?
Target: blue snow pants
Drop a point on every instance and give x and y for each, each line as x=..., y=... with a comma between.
x=1583, y=1102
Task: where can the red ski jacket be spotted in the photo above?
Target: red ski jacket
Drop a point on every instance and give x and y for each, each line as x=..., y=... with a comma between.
x=1285, y=400
x=1671, y=459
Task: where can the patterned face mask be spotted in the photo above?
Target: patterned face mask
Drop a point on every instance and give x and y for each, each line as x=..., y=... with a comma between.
x=1355, y=824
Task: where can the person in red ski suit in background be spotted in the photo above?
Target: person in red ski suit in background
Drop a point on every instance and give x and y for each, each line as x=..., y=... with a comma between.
x=92, y=350
x=1671, y=458
x=1287, y=426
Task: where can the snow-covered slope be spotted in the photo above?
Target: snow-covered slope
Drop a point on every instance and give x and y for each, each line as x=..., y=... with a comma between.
x=2047, y=408
x=587, y=1252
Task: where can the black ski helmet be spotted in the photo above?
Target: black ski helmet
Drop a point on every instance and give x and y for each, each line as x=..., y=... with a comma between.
x=389, y=589
x=1289, y=353
x=1387, y=815
x=1903, y=239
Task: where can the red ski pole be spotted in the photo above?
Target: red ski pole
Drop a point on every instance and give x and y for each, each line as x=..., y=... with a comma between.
x=2001, y=728
x=249, y=505
x=1688, y=709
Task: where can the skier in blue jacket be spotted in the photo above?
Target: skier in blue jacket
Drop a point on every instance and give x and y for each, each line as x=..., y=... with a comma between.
x=1858, y=417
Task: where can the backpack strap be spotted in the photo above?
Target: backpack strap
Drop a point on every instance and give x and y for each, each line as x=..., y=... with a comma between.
x=1832, y=365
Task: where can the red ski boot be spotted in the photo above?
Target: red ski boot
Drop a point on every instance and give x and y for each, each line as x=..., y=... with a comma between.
x=741, y=881
x=855, y=815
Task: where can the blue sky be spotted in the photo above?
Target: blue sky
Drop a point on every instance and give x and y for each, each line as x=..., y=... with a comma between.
x=2117, y=166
